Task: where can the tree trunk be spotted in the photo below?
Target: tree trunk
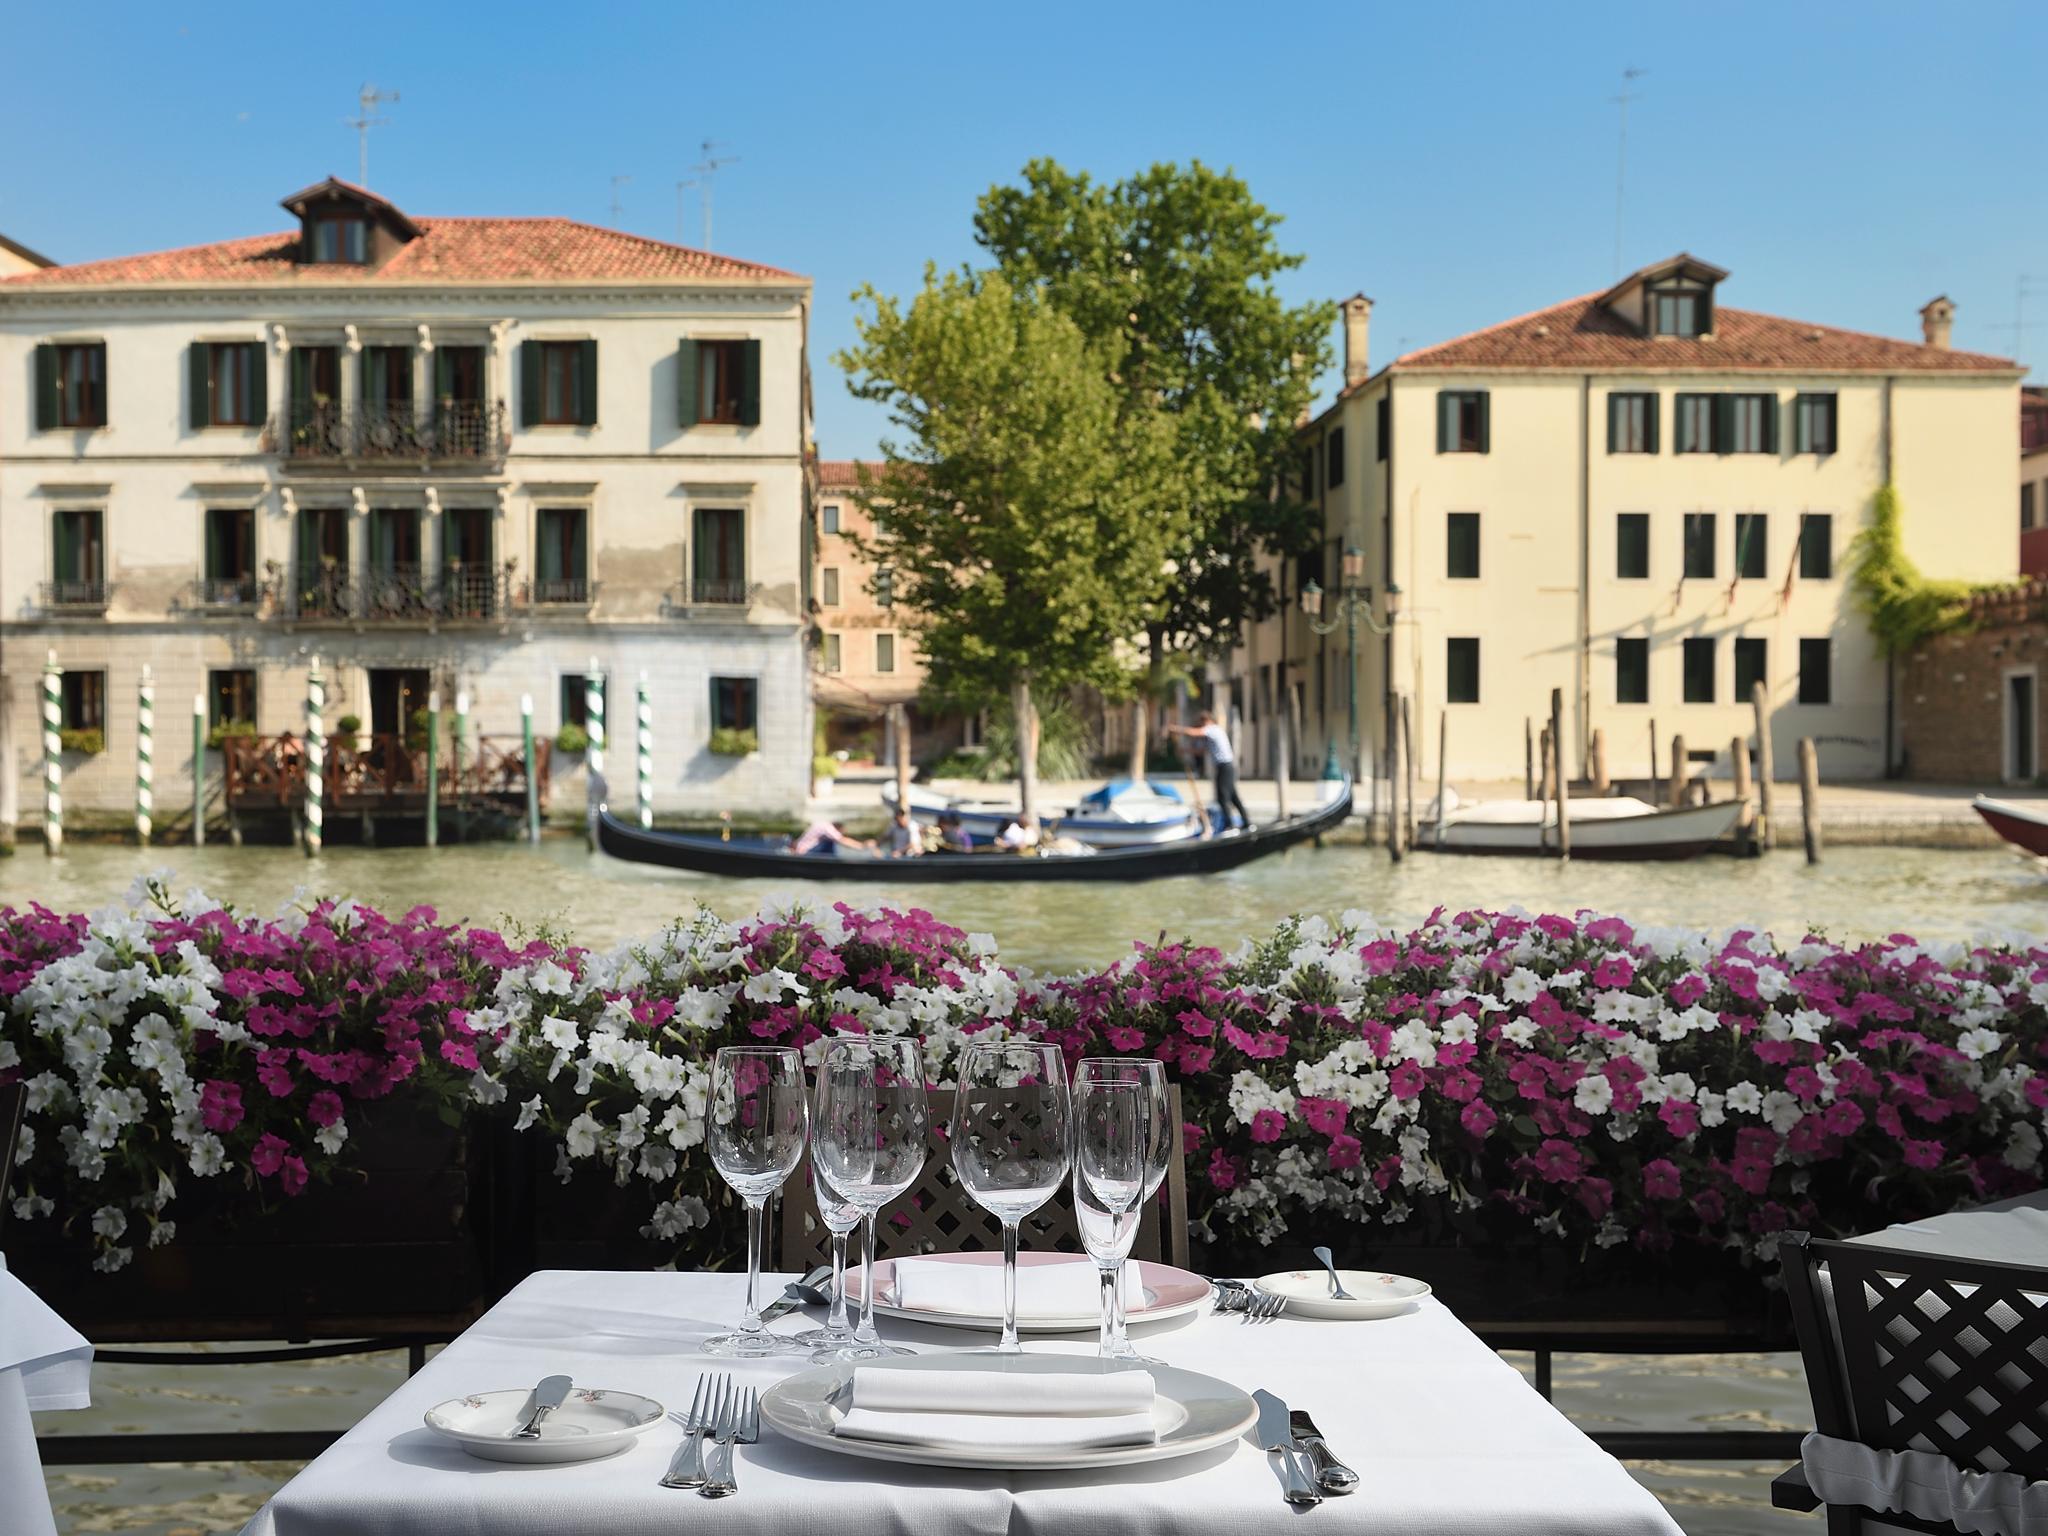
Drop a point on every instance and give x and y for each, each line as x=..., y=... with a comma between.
x=1026, y=717
x=1141, y=710
x=1148, y=696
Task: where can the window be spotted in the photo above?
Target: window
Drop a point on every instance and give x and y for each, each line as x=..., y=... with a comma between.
x=1383, y=427
x=344, y=239
x=831, y=653
x=395, y=545
x=1461, y=538
x=2026, y=506
x=231, y=697
x=1816, y=546
x=1699, y=671
x=558, y=383
x=718, y=569
x=1751, y=656
x=387, y=380
x=885, y=588
x=1308, y=473
x=1631, y=546
x=1333, y=449
x=227, y=384
x=1631, y=423
x=1694, y=423
x=733, y=703
x=1461, y=670
x=561, y=572
x=85, y=701
x=1815, y=686
x=829, y=586
x=720, y=383
x=1461, y=424
x=1632, y=670
x=71, y=385
x=575, y=701
x=1752, y=546
x=78, y=572
x=885, y=653
x=230, y=555
x=1680, y=310
x=1699, y=546
x=830, y=517
x=1813, y=423
x=1749, y=423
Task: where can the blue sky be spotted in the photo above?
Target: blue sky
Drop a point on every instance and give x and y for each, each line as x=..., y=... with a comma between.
x=1845, y=162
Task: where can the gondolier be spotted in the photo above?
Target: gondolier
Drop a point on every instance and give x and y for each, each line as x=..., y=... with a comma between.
x=1215, y=741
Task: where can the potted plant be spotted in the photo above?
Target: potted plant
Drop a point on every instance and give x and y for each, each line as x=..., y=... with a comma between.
x=89, y=739
x=735, y=741
x=223, y=729
x=572, y=738
x=345, y=731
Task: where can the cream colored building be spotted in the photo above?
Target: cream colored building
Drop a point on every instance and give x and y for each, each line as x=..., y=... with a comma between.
x=1644, y=498
x=16, y=257
x=477, y=455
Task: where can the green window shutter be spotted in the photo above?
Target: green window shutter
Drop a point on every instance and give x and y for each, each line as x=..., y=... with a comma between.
x=586, y=383
x=1724, y=423
x=1446, y=404
x=301, y=385
x=1614, y=405
x=547, y=556
x=1653, y=406
x=199, y=373
x=750, y=383
x=46, y=388
x=529, y=384
x=64, y=547
x=444, y=374
x=259, y=369
x=216, y=551
x=1770, y=403
x=687, y=413
x=1485, y=421
x=579, y=548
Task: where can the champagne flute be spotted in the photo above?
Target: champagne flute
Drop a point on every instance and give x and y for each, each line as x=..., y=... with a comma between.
x=757, y=1113
x=1009, y=1141
x=1109, y=1183
x=1148, y=1076
x=840, y=1217
x=872, y=1136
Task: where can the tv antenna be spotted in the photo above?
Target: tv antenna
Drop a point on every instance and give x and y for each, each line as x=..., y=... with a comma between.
x=368, y=100
x=1628, y=78
x=681, y=187
x=706, y=169
x=2019, y=325
x=617, y=207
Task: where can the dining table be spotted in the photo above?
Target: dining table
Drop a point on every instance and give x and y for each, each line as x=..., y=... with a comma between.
x=2012, y=1231
x=45, y=1365
x=1447, y=1438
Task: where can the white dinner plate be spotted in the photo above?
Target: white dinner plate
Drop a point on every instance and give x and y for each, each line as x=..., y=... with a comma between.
x=1194, y=1413
x=1168, y=1292
x=590, y=1424
x=1307, y=1293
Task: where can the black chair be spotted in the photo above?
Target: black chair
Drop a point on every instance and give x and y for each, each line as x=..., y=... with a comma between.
x=13, y=1105
x=1921, y=1352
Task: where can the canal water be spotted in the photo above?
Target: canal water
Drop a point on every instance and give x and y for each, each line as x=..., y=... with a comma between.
x=1853, y=892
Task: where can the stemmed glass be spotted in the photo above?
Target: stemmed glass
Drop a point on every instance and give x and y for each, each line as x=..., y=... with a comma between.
x=1010, y=1142
x=757, y=1112
x=1123, y=1141
x=840, y=1217
x=869, y=1147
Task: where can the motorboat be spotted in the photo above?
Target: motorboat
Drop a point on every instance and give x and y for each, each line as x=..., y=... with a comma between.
x=2024, y=826
x=1604, y=827
x=1124, y=813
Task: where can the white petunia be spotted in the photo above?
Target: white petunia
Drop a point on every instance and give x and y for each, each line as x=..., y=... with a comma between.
x=581, y=1137
x=1979, y=1043
x=1745, y=1099
x=528, y=1113
x=1594, y=1093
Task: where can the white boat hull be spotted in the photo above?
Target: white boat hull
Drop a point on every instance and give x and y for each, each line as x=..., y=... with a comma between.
x=984, y=820
x=1600, y=829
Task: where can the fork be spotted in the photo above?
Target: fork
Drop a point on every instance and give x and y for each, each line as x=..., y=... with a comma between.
x=739, y=1422
x=686, y=1469
x=1261, y=1308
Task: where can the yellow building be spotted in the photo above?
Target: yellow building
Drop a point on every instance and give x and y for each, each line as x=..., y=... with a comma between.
x=1640, y=497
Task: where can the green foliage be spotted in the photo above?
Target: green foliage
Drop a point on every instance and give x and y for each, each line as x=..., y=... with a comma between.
x=731, y=741
x=1903, y=607
x=416, y=730
x=1066, y=745
x=824, y=766
x=572, y=738
x=348, y=725
x=88, y=739
x=222, y=730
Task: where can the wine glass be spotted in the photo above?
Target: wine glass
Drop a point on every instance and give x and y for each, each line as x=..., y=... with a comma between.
x=840, y=1217
x=1152, y=1133
x=757, y=1113
x=1010, y=1142
x=872, y=1135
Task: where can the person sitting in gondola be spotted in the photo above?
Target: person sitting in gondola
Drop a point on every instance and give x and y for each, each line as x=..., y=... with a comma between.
x=953, y=834
x=821, y=834
x=904, y=842
x=1020, y=835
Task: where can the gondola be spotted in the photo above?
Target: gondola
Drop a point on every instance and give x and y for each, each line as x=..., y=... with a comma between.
x=768, y=859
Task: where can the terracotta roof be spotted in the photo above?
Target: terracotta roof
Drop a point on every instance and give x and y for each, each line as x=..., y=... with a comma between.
x=1580, y=335
x=846, y=472
x=447, y=250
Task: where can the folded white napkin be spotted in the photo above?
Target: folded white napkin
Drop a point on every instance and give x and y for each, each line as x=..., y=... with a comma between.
x=54, y=1358
x=1049, y=1412
x=1068, y=1289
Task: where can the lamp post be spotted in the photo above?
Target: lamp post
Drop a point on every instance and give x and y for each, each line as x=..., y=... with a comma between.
x=1355, y=603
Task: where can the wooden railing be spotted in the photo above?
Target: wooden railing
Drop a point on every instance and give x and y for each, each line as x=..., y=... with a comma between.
x=381, y=772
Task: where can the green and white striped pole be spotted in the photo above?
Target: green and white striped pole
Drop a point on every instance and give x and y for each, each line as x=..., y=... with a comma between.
x=198, y=770
x=455, y=757
x=316, y=757
x=593, y=757
x=433, y=766
x=53, y=747
x=532, y=757
x=644, y=757
x=145, y=770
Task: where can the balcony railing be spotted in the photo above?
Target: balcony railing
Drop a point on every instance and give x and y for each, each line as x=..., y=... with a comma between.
x=729, y=593
x=459, y=431
x=566, y=591
x=396, y=594
x=74, y=595
x=225, y=592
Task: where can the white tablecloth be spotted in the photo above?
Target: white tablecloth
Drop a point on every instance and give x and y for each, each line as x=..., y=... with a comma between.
x=44, y=1364
x=2011, y=1231
x=1447, y=1437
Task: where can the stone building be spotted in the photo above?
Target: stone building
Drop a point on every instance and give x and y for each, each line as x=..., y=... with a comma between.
x=478, y=455
x=2033, y=480
x=1970, y=700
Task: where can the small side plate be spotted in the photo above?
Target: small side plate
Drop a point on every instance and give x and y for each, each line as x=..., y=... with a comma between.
x=1307, y=1293
x=590, y=1424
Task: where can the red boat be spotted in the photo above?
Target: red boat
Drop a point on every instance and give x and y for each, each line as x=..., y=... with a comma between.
x=2024, y=826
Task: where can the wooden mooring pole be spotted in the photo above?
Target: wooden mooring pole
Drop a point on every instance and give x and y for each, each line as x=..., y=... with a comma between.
x=1564, y=793
x=1408, y=778
x=1679, y=770
x=433, y=766
x=1656, y=794
x=1598, y=767
x=1528, y=759
x=1766, y=834
x=1443, y=747
x=532, y=759
x=1809, y=797
x=1393, y=783
x=199, y=770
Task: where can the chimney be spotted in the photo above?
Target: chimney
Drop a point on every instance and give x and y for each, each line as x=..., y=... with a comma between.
x=1357, y=318
x=1937, y=319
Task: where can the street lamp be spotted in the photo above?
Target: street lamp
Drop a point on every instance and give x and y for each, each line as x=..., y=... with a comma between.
x=1355, y=603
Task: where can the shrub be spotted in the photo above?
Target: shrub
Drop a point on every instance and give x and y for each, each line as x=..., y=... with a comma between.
x=572, y=738
x=85, y=738
x=825, y=766
x=732, y=741
x=221, y=730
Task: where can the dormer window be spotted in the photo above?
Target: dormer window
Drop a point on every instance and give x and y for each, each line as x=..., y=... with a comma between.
x=1681, y=309
x=343, y=225
x=341, y=238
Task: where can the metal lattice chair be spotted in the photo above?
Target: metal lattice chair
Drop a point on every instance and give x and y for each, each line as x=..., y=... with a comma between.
x=1918, y=1352
x=13, y=1104
x=938, y=1216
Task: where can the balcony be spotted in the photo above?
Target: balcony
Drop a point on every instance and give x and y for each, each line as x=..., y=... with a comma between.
x=687, y=597
x=223, y=594
x=455, y=433
x=73, y=596
x=395, y=594
x=561, y=592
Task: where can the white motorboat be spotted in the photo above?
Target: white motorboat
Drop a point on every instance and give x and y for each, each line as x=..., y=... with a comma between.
x=1121, y=814
x=1607, y=827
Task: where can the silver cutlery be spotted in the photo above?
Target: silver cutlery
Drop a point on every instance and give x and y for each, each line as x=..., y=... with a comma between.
x=686, y=1467
x=1258, y=1307
x=547, y=1397
x=1331, y=1475
x=800, y=1293
x=1337, y=1291
x=739, y=1424
x=1277, y=1436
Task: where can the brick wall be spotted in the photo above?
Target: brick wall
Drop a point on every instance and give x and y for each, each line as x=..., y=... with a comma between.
x=1953, y=691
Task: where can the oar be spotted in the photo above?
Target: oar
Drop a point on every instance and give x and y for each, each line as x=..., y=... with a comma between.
x=1194, y=788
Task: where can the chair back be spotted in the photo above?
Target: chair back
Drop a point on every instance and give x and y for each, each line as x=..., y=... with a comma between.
x=1921, y=1352
x=13, y=1104
x=938, y=1216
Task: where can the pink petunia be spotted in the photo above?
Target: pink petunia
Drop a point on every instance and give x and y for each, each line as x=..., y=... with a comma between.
x=1681, y=1117
x=1324, y=1116
x=324, y=1108
x=268, y=1155
x=1923, y=1154
x=1223, y=1170
x=1660, y=1179
x=1478, y=1118
x=1268, y=1125
x=1406, y=1080
x=291, y=1175
x=1345, y=1151
x=1614, y=971
x=220, y=1106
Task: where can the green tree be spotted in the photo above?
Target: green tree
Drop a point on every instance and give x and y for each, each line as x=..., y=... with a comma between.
x=1020, y=516
x=1173, y=271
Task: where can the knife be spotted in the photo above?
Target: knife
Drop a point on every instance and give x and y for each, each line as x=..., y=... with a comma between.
x=547, y=1397
x=1331, y=1475
x=1276, y=1435
x=789, y=1300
